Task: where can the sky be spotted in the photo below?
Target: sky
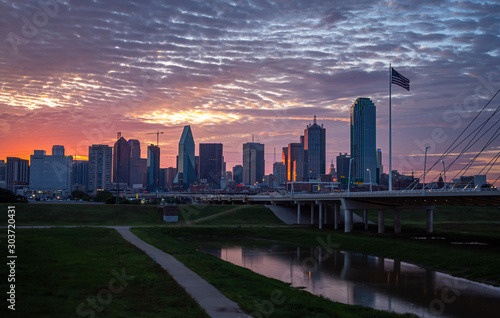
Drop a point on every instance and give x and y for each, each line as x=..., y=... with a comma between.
x=76, y=72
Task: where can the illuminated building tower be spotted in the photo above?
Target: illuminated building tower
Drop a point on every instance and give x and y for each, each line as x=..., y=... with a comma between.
x=363, y=140
x=314, y=150
x=100, y=164
x=211, y=164
x=186, y=174
x=253, y=163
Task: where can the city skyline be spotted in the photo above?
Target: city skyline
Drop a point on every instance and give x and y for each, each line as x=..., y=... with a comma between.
x=233, y=69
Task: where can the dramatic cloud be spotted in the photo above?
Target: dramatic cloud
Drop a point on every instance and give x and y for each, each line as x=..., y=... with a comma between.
x=75, y=72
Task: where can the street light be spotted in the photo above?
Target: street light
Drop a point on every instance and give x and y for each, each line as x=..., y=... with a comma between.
x=425, y=169
x=444, y=174
x=370, y=179
x=349, y=180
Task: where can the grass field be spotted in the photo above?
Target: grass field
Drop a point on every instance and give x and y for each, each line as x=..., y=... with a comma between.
x=85, y=214
x=61, y=272
x=62, y=268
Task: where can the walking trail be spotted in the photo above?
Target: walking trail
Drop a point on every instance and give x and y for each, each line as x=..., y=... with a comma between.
x=210, y=299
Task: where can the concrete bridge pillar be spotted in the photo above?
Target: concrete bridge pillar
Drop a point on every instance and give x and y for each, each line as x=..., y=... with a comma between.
x=430, y=219
x=336, y=215
x=320, y=216
x=397, y=221
x=298, y=213
x=365, y=218
x=381, y=221
x=347, y=221
x=312, y=213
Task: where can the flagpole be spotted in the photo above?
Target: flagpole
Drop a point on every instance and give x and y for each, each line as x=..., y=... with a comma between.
x=390, y=127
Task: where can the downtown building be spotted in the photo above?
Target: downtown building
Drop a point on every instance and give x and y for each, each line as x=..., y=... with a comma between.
x=314, y=150
x=363, y=141
x=153, y=168
x=138, y=166
x=51, y=174
x=186, y=161
x=121, y=163
x=17, y=175
x=99, y=168
x=253, y=163
x=211, y=164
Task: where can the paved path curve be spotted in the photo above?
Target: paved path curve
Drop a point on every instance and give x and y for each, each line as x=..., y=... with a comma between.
x=210, y=299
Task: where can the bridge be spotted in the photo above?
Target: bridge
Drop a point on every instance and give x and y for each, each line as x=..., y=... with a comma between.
x=328, y=208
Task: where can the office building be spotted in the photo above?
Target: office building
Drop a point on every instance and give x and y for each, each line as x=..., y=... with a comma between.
x=3, y=174
x=121, y=162
x=314, y=150
x=279, y=173
x=18, y=174
x=51, y=173
x=363, y=140
x=100, y=168
x=153, y=168
x=343, y=166
x=238, y=174
x=253, y=163
x=295, y=168
x=186, y=172
x=170, y=176
x=58, y=150
x=380, y=166
x=79, y=175
x=135, y=148
x=211, y=164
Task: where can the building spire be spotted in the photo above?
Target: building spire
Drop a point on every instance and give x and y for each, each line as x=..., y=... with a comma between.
x=314, y=119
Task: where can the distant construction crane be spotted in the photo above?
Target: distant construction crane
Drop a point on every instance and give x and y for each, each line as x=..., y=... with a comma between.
x=157, y=133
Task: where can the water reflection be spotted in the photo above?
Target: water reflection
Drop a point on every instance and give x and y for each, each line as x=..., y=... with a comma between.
x=370, y=281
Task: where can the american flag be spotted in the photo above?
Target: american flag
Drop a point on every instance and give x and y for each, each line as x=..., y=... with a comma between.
x=400, y=80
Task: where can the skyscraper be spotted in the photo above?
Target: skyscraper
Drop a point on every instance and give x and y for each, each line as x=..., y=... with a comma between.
x=18, y=174
x=314, y=150
x=135, y=148
x=238, y=174
x=121, y=161
x=380, y=166
x=153, y=168
x=186, y=174
x=79, y=175
x=279, y=172
x=343, y=166
x=138, y=165
x=100, y=167
x=51, y=173
x=211, y=164
x=295, y=168
x=253, y=163
x=363, y=140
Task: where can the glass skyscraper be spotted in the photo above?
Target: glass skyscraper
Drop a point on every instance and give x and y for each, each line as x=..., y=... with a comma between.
x=153, y=168
x=211, y=162
x=253, y=163
x=363, y=140
x=315, y=150
x=186, y=174
x=121, y=161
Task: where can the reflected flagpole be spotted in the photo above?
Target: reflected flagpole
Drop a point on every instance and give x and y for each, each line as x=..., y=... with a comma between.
x=390, y=127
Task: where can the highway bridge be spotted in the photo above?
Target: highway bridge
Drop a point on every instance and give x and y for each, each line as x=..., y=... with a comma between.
x=337, y=208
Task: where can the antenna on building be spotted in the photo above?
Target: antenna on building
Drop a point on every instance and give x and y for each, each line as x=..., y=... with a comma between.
x=314, y=119
x=118, y=135
x=274, y=155
x=252, y=138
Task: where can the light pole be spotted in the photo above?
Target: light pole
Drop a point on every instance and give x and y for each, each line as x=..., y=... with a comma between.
x=349, y=180
x=444, y=174
x=370, y=179
x=425, y=169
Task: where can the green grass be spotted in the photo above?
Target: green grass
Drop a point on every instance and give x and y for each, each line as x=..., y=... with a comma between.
x=59, y=269
x=193, y=212
x=85, y=214
x=251, y=215
x=250, y=290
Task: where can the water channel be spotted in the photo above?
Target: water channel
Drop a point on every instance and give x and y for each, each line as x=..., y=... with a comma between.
x=370, y=281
